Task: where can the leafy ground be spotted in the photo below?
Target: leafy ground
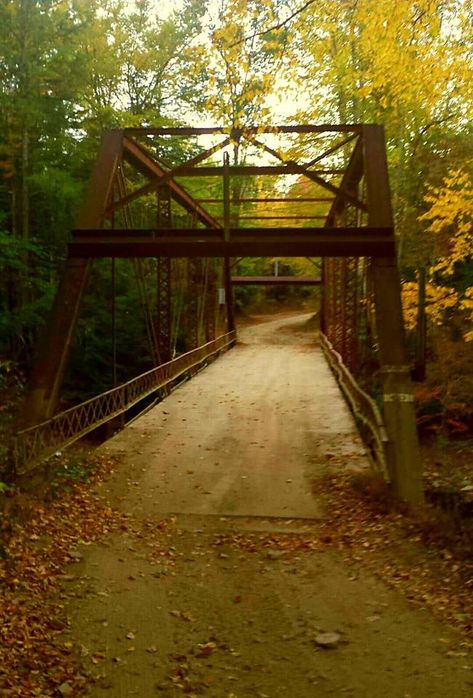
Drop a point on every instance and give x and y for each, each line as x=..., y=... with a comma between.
x=448, y=466
x=47, y=531
x=423, y=558
x=427, y=557
x=38, y=539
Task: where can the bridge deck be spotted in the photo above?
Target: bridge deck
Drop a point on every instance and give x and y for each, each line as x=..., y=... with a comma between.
x=247, y=435
x=194, y=604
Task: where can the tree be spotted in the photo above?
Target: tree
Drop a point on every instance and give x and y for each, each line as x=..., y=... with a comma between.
x=136, y=61
x=238, y=76
x=450, y=223
x=366, y=61
x=41, y=78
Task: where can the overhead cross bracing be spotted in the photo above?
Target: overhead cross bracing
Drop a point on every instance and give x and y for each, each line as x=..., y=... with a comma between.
x=200, y=201
x=139, y=148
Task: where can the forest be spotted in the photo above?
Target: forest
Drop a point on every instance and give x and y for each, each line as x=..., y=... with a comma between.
x=235, y=540
x=72, y=69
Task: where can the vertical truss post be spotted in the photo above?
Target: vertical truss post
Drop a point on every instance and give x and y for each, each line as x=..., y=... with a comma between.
x=226, y=196
x=227, y=276
x=337, y=304
x=342, y=297
x=351, y=300
x=210, y=301
x=329, y=292
x=227, y=272
x=194, y=289
x=57, y=339
x=324, y=296
x=341, y=278
x=194, y=300
x=114, y=322
x=163, y=279
x=404, y=454
x=351, y=292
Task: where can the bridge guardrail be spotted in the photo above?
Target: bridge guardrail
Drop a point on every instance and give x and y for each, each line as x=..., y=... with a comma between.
x=32, y=445
x=366, y=411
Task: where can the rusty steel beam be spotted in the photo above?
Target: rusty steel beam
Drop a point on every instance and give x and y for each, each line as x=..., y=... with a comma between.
x=331, y=150
x=209, y=130
x=275, y=281
x=404, y=460
x=211, y=307
x=250, y=242
x=288, y=168
x=295, y=217
x=227, y=267
x=144, y=162
x=164, y=280
x=270, y=200
x=210, y=234
x=312, y=175
x=365, y=246
x=168, y=175
x=57, y=337
x=353, y=174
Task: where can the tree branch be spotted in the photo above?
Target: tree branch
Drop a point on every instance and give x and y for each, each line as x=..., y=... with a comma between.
x=424, y=129
x=277, y=26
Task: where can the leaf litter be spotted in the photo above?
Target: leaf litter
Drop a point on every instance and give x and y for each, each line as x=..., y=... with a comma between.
x=422, y=555
x=36, y=659
x=415, y=555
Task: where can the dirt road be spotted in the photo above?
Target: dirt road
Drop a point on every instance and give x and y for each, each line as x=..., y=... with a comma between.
x=214, y=587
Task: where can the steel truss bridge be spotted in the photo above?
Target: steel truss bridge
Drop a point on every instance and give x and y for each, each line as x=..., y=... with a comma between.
x=142, y=205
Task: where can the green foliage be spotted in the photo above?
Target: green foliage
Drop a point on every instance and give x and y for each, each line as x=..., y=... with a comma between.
x=71, y=69
x=26, y=261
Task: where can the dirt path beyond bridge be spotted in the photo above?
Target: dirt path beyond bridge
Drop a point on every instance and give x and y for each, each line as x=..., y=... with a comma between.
x=215, y=587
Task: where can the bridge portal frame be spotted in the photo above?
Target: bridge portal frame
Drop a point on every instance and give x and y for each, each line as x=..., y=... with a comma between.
x=95, y=237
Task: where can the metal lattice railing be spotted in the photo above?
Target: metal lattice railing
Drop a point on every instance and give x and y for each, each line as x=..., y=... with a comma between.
x=35, y=444
x=365, y=410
